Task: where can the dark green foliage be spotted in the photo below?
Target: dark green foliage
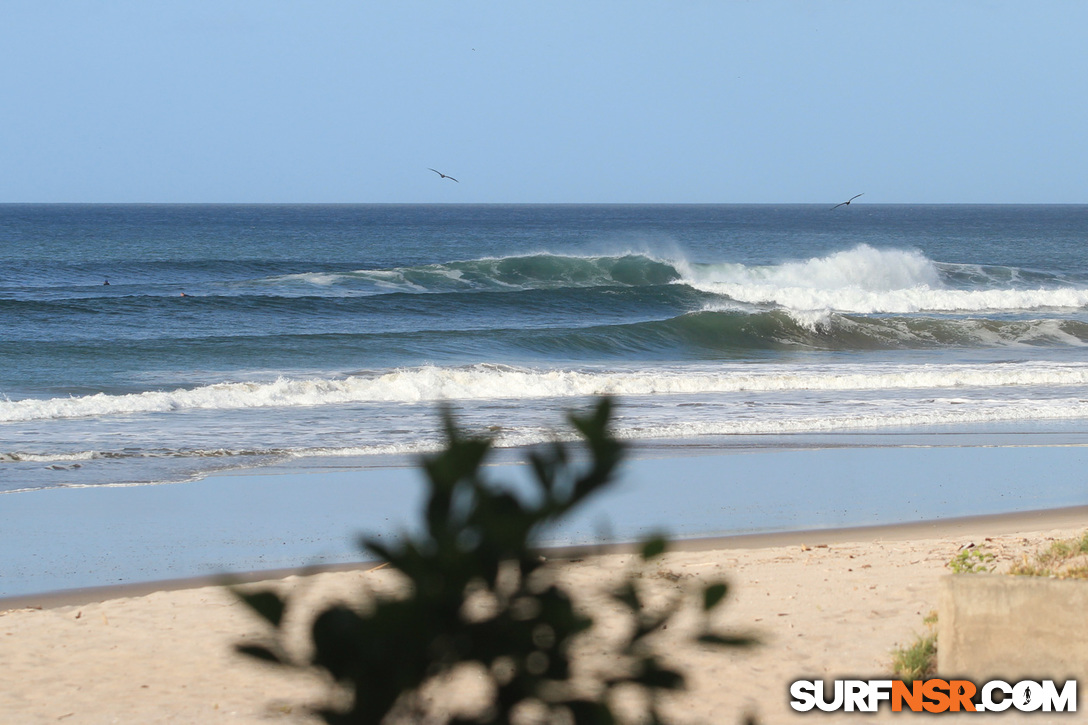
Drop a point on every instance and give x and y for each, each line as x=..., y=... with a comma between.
x=266, y=604
x=478, y=545
x=713, y=595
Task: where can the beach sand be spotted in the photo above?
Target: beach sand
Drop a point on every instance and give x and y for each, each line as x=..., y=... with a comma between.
x=829, y=604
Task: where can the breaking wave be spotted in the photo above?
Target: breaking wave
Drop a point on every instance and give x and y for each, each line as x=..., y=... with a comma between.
x=533, y=271
x=866, y=280
x=861, y=280
x=499, y=382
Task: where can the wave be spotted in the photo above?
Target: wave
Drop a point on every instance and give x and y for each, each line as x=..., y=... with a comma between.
x=422, y=444
x=498, y=382
x=23, y=456
x=536, y=332
x=332, y=306
x=865, y=280
x=899, y=301
x=860, y=280
x=731, y=331
x=941, y=412
x=532, y=271
x=937, y=411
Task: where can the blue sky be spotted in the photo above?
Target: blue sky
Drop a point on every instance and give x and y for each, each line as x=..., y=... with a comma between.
x=701, y=102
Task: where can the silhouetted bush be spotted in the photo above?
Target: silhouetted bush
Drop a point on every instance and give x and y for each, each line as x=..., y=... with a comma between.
x=481, y=593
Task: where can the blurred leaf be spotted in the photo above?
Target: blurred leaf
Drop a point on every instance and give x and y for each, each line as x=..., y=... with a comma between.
x=628, y=595
x=654, y=546
x=721, y=640
x=588, y=712
x=269, y=605
x=259, y=652
x=336, y=635
x=713, y=595
x=662, y=678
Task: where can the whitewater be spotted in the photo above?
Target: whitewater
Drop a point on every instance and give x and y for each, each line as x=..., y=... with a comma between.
x=491, y=382
x=247, y=337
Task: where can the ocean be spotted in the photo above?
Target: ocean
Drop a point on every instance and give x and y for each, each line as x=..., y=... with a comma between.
x=316, y=337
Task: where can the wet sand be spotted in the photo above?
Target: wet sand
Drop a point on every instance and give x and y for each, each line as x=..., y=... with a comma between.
x=60, y=539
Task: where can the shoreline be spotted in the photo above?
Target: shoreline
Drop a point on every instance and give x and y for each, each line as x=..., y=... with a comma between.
x=983, y=525
x=72, y=539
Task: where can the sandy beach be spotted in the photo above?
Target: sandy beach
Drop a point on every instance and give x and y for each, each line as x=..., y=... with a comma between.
x=803, y=292
x=830, y=603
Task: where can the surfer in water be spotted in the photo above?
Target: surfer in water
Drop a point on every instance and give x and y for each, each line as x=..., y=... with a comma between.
x=106, y=283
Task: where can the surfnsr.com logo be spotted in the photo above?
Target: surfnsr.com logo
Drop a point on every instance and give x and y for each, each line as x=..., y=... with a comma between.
x=934, y=695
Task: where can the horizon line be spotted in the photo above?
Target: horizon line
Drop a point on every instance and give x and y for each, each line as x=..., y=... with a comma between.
x=533, y=203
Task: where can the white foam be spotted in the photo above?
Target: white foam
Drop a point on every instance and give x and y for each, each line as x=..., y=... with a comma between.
x=940, y=412
x=866, y=280
x=49, y=457
x=320, y=279
x=485, y=382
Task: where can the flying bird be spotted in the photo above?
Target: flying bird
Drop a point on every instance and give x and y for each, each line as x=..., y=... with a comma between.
x=444, y=176
x=845, y=203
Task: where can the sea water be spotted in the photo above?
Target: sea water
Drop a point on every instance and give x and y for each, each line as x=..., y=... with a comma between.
x=244, y=337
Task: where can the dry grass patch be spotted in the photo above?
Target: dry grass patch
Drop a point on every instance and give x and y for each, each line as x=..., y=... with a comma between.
x=918, y=660
x=1066, y=559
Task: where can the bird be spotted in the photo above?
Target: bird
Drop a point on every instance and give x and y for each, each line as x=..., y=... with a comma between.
x=444, y=176
x=847, y=202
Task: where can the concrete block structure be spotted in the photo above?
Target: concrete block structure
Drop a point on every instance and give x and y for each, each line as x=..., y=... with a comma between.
x=1012, y=628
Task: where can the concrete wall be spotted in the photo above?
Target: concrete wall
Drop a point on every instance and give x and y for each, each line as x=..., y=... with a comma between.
x=1012, y=627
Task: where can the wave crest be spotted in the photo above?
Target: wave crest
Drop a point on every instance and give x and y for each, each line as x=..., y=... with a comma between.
x=486, y=382
x=532, y=271
x=865, y=280
x=861, y=280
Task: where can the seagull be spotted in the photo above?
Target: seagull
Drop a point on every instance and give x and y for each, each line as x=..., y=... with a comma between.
x=845, y=203
x=444, y=176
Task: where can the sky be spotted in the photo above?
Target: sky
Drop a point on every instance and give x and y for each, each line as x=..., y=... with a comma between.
x=239, y=101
